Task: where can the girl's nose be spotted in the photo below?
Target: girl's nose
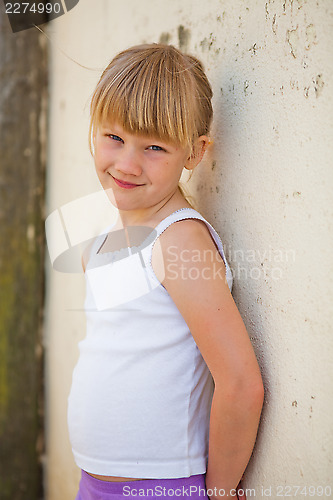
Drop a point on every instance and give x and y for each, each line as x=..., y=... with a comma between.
x=128, y=163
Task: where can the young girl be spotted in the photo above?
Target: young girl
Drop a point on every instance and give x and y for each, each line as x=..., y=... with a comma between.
x=167, y=394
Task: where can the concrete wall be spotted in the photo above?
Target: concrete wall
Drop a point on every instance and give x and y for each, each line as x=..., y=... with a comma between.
x=266, y=185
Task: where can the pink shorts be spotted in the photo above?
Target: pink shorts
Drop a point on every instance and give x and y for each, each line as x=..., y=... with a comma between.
x=192, y=487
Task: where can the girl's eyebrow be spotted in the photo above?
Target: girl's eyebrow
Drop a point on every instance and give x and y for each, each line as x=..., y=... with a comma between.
x=150, y=140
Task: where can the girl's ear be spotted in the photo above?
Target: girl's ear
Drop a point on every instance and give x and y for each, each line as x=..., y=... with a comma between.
x=199, y=148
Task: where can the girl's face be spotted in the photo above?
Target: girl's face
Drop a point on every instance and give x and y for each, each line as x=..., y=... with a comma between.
x=140, y=172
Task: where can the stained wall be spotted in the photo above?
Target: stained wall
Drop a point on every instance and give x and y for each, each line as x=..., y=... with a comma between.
x=266, y=185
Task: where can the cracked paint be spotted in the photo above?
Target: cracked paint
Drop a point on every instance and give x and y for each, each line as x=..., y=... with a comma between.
x=311, y=36
x=319, y=84
x=208, y=43
x=293, y=40
x=274, y=24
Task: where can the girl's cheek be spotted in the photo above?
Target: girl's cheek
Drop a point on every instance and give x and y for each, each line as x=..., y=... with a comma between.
x=102, y=156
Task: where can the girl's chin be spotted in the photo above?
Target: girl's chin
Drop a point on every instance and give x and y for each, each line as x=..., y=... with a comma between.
x=119, y=201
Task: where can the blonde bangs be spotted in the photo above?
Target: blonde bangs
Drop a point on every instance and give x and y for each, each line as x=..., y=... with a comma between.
x=152, y=90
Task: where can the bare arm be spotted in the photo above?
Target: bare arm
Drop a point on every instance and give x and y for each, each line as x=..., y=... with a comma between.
x=202, y=296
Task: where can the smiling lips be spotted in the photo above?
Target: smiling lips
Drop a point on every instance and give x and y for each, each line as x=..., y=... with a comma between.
x=125, y=185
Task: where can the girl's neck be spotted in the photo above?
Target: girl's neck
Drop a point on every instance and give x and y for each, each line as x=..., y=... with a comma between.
x=153, y=215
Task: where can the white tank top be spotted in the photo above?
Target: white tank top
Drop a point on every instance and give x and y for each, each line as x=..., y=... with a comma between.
x=141, y=392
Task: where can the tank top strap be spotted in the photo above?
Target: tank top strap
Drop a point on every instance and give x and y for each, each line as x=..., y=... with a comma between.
x=94, y=257
x=191, y=213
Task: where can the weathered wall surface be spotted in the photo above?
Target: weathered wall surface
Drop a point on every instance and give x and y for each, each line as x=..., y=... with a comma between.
x=266, y=185
x=23, y=76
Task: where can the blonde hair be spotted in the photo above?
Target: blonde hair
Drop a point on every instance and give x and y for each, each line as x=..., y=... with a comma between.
x=154, y=90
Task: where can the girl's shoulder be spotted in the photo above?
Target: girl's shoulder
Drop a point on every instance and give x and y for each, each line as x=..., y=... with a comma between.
x=187, y=226
x=188, y=233
x=181, y=214
x=187, y=239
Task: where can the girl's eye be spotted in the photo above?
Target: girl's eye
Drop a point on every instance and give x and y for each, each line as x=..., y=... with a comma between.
x=156, y=148
x=115, y=137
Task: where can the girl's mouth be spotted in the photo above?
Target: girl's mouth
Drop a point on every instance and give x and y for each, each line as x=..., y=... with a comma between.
x=125, y=185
